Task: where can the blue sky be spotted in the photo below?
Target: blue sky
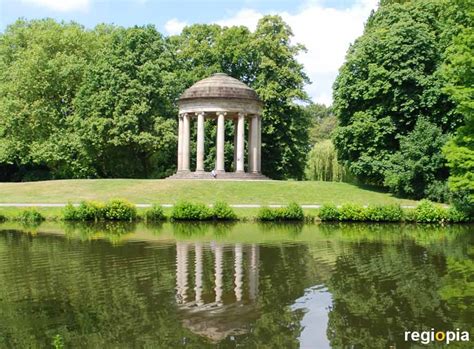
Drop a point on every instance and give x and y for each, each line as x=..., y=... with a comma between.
x=325, y=27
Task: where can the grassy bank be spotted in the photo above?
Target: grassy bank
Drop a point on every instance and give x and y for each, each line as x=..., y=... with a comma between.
x=207, y=191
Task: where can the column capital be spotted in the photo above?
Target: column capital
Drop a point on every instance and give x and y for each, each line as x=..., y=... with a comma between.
x=221, y=113
x=200, y=113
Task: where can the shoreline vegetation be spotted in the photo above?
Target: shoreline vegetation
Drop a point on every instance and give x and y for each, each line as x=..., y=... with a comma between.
x=121, y=210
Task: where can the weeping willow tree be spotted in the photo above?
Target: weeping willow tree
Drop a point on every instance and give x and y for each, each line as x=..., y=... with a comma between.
x=322, y=163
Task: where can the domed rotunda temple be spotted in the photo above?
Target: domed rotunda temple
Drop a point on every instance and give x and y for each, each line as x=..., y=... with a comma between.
x=220, y=97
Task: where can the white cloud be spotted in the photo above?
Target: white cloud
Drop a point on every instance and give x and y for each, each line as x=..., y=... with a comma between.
x=174, y=26
x=326, y=32
x=246, y=17
x=61, y=5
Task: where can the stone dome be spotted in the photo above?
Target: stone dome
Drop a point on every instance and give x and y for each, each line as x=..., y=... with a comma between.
x=219, y=85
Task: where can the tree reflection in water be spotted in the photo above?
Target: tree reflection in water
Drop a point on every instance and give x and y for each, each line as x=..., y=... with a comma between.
x=232, y=286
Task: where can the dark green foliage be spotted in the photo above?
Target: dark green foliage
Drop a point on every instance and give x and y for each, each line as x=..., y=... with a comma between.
x=292, y=212
x=323, y=122
x=222, y=211
x=418, y=169
x=391, y=79
x=329, y=213
x=31, y=216
x=119, y=210
x=2, y=218
x=458, y=70
x=124, y=113
x=387, y=213
x=188, y=211
x=464, y=202
x=155, y=214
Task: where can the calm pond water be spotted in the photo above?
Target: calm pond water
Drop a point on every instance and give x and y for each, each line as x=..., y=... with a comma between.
x=242, y=285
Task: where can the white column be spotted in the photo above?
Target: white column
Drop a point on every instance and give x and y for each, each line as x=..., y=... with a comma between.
x=259, y=145
x=220, y=142
x=238, y=272
x=219, y=254
x=249, y=145
x=180, y=142
x=253, y=145
x=235, y=145
x=186, y=128
x=200, y=143
x=240, y=143
x=198, y=273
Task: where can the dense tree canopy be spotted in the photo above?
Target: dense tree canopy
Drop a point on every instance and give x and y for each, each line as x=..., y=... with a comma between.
x=459, y=72
x=78, y=103
x=42, y=63
x=391, y=79
x=123, y=112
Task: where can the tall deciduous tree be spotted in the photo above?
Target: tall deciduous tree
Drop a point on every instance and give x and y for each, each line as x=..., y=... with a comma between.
x=42, y=64
x=279, y=82
x=459, y=72
x=391, y=78
x=124, y=109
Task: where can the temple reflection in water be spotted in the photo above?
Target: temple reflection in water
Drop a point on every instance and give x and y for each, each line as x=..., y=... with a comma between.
x=210, y=308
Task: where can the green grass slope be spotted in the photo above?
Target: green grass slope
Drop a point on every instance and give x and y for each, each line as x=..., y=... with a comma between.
x=207, y=191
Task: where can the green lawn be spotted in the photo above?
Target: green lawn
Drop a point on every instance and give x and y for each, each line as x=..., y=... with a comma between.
x=207, y=191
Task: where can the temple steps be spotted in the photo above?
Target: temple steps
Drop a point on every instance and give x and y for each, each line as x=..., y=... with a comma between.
x=223, y=175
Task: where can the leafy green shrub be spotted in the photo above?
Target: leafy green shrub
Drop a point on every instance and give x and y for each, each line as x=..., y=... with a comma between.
x=86, y=211
x=463, y=201
x=155, y=214
x=31, y=216
x=119, y=210
x=329, y=213
x=191, y=211
x=454, y=215
x=2, y=218
x=222, y=211
x=387, y=213
x=409, y=215
x=292, y=212
x=352, y=212
x=266, y=214
x=70, y=213
x=427, y=212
